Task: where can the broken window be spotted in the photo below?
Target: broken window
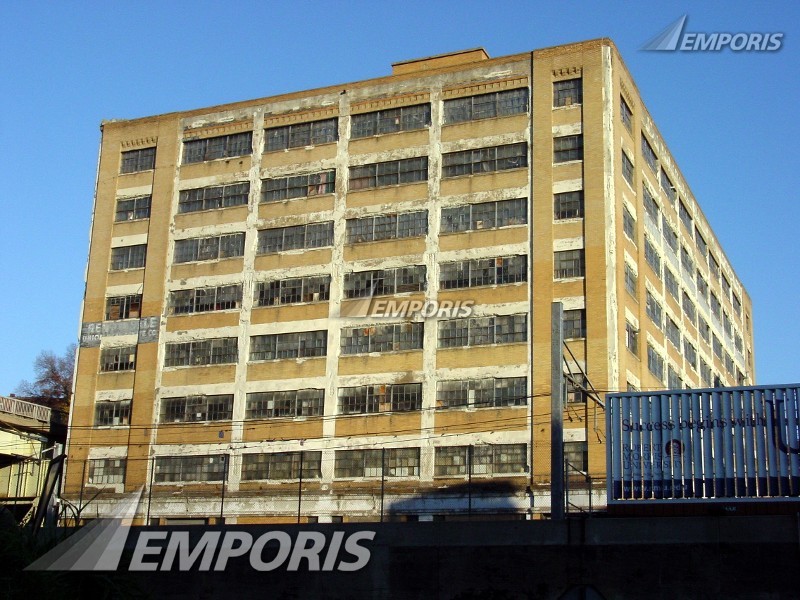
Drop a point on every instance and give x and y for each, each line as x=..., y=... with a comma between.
x=225, y=297
x=483, y=271
x=123, y=307
x=130, y=209
x=224, y=146
x=667, y=186
x=671, y=283
x=627, y=168
x=209, y=248
x=285, y=404
x=119, y=358
x=380, y=398
x=654, y=309
x=397, y=462
x=187, y=409
x=392, y=337
x=281, y=465
x=479, y=393
x=485, y=215
x=291, y=291
x=210, y=467
x=626, y=114
x=567, y=148
x=289, y=345
x=480, y=331
x=485, y=106
x=281, y=239
x=207, y=198
x=655, y=363
x=404, y=118
x=569, y=264
x=112, y=413
x=575, y=323
x=108, y=471
x=394, y=172
x=484, y=160
x=383, y=282
x=134, y=161
x=387, y=227
x=298, y=186
x=649, y=154
x=652, y=256
x=299, y=135
x=128, y=257
x=212, y=351
x=567, y=92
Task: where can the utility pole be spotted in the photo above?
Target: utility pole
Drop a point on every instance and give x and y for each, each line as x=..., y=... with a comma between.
x=557, y=500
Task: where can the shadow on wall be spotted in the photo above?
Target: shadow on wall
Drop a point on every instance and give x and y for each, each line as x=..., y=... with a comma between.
x=469, y=500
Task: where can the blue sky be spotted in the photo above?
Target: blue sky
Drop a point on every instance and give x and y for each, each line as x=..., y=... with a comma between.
x=730, y=119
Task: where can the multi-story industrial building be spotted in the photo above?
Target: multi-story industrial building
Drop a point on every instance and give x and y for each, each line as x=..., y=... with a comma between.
x=237, y=355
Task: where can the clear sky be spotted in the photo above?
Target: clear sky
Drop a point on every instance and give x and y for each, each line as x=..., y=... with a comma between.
x=730, y=119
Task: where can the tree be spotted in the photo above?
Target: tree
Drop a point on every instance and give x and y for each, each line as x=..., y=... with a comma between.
x=53, y=383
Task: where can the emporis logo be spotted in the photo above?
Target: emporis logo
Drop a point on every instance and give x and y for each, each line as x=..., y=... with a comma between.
x=99, y=547
x=387, y=308
x=674, y=38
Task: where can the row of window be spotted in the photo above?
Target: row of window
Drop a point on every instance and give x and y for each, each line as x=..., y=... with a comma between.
x=449, y=461
x=364, y=399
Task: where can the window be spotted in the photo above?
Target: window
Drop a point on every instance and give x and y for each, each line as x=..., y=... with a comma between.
x=687, y=263
x=649, y=154
x=673, y=333
x=737, y=305
x=298, y=186
x=484, y=160
x=574, y=324
x=302, y=344
x=134, y=161
x=214, y=351
x=299, y=135
x=690, y=353
x=481, y=393
x=395, y=172
x=188, y=409
x=726, y=324
x=575, y=385
x=483, y=271
x=224, y=146
x=655, y=363
x=399, y=462
x=404, y=118
x=499, y=459
x=107, y=471
x=210, y=467
x=702, y=286
x=717, y=346
x=632, y=338
x=486, y=106
x=654, y=310
x=652, y=256
x=705, y=330
x=671, y=283
x=298, y=237
x=484, y=215
x=716, y=307
x=713, y=265
x=384, y=282
x=285, y=404
x=726, y=287
x=567, y=92
x=209, y=248
x=631, y=280
x=569, y=264
x=689, y=308
x=496, y=459
x=628, y=224
x=729, y=364
x=627, y=168
x=282, y=465
x=380, y=398
x=226, y=297
x=568, y=205
x=673, y=379
x=669, y=234
x=737, y=343
x=120, y=358
x=130, y=209
x=315, y=288
x=112, y=414
x=567, y=148
x=123, y=307
x=705, y=373
x=626, y=114
x=667, y=186
x=481, y=331
x=128, y=257
x=701, y=243
x=576, y=456
x=387, y=227
x=391, y=337
x=685, y=216
x=208, y=198
x=651, y=207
